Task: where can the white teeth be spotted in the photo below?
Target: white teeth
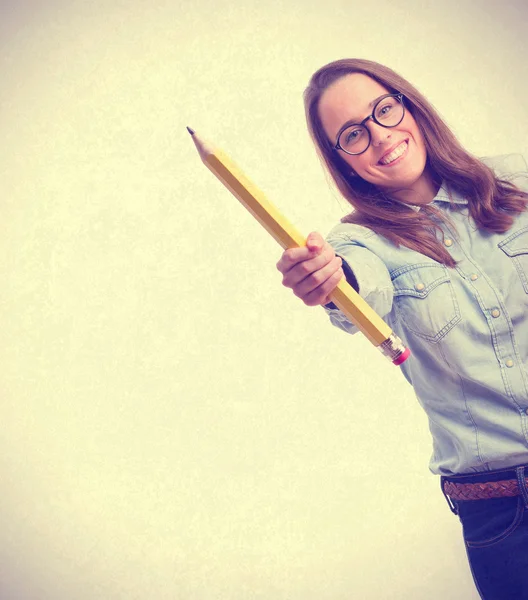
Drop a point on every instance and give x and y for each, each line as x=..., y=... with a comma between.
x=396, y=153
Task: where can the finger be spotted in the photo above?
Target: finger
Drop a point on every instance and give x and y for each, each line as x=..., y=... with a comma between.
x=315, y=241
x=293, y=256
x=317, y=278
x=320, y=295
x=306, y=268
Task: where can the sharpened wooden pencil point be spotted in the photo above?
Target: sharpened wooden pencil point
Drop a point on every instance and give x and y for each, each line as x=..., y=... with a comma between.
x=191, y=131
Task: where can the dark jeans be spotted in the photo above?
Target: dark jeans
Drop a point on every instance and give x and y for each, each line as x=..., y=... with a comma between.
x=495, y=533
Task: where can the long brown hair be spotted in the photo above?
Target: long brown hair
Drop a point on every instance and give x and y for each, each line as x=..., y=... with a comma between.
x=493, y=202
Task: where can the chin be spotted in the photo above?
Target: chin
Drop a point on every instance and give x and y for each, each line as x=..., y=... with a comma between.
x=406, y=180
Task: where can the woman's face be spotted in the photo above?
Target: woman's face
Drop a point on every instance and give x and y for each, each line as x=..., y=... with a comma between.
x=351, y=99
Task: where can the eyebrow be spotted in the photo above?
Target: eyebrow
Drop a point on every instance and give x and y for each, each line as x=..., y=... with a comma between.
x=354, y=121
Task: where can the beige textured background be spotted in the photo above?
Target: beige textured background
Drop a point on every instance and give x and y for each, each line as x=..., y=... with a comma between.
x=174, y=423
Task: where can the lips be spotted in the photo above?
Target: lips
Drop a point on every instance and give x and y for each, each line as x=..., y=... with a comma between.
x=391, y=149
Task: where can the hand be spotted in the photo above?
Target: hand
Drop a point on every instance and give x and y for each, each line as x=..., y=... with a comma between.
x=312, y=271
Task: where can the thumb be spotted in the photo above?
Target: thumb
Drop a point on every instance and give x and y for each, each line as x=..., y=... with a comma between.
x=314, y=241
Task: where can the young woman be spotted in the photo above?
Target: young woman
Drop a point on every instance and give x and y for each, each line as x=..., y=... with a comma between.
x=438, y=246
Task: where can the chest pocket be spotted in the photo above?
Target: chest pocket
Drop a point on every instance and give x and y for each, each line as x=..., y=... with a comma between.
x=516, y=247
x=425, y=301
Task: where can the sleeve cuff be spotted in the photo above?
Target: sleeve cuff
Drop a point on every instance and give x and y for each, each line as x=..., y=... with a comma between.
x=349, y=276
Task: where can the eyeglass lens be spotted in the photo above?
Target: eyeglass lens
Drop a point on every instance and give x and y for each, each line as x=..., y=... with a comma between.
x=355, y=139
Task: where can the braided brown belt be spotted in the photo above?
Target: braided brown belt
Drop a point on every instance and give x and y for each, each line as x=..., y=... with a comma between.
x=481, y=491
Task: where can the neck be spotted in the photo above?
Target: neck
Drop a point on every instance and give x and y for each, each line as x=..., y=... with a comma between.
x=422, y=191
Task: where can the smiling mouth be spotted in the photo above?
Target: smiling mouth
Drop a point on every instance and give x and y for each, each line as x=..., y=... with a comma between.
x=395, y=155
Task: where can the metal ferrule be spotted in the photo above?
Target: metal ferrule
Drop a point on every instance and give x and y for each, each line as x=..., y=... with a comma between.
x=392, y=347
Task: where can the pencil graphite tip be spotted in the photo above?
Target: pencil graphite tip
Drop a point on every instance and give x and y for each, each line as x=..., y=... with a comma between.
x=191, y=131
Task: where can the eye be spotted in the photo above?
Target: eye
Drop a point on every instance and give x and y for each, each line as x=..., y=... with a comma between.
x=385, y=108
x=353, y=136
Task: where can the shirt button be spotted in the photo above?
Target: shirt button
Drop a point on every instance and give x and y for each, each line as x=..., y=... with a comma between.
x=448, y=242
x=495, y=312
x=474, y=277
x=509, y=363
x=419, y=287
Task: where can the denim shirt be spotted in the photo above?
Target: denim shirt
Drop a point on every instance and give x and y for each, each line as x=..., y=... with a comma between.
x=466, y=327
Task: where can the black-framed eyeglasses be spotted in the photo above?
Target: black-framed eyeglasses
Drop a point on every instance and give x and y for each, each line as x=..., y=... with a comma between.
x=388, y=112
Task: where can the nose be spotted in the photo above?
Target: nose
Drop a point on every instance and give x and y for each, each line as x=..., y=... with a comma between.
x=378, y=133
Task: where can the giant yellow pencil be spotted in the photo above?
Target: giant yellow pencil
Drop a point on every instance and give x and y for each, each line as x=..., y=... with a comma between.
x=344, y=296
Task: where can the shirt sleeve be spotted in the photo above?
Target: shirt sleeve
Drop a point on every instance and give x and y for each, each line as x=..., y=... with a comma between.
x=512, y=167
x=371, y=276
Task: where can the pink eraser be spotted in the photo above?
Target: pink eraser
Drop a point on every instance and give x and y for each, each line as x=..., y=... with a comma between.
x=403, y=357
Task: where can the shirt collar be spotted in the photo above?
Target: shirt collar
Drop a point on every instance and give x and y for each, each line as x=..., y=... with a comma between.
x=444, y=194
